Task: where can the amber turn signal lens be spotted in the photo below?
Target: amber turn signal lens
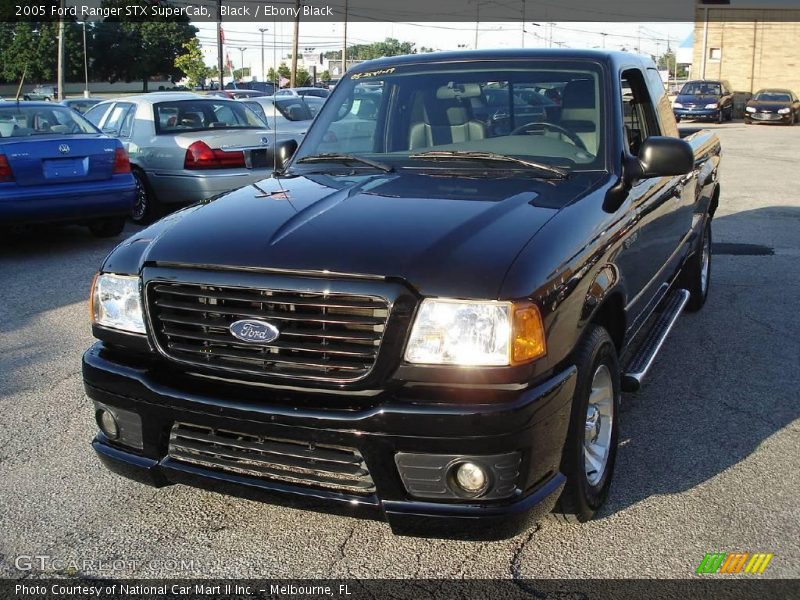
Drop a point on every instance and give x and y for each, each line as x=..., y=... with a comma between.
x=528, y=343
x=92, y=317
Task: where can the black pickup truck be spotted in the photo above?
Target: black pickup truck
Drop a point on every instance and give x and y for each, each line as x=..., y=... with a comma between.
x=424, y=316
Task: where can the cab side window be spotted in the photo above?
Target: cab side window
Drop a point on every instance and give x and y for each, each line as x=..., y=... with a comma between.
x=638, y=114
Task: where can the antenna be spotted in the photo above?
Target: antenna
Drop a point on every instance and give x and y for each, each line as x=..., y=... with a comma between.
x=275, y=89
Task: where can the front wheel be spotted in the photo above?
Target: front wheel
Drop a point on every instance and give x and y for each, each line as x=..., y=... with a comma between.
x=591, y=447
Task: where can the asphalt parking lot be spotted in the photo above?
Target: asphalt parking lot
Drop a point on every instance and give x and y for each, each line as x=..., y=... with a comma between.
x=708, y=458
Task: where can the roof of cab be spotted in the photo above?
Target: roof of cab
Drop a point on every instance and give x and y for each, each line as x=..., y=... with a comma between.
x=614, y=58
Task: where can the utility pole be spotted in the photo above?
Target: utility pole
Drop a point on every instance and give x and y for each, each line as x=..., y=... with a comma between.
x=295, y=42
x=60, y=83
x=220, y=68
x=85, y=63
x=522, y=26
x=263, y=68
x=241, y=66
x=344, y=42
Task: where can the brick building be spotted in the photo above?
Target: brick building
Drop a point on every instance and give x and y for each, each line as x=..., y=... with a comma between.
x=752, y=43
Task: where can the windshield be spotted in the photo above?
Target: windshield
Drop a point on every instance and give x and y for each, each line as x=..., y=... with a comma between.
x=701, y=88
x=22, y=121
x=549, y=112
x=773, y=97
x=199, y=115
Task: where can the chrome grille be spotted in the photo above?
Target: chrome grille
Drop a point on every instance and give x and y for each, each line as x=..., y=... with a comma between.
x=322, y=336
x=290, y=461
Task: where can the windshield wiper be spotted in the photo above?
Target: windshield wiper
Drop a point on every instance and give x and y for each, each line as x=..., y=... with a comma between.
x=435, y=154
x=344, y=158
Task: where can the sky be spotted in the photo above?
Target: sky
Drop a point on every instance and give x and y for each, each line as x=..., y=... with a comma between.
x=651, y=38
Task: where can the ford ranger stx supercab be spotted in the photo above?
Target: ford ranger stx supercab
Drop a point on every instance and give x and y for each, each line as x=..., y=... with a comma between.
x=428, y=314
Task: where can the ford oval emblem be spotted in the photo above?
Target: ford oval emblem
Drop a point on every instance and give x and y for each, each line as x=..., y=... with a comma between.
x=255, y=332
x=64, y=149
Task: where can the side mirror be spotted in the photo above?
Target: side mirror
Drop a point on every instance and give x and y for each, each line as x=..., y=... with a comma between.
x=658, y=157
x=664, y=157
x=283, y=151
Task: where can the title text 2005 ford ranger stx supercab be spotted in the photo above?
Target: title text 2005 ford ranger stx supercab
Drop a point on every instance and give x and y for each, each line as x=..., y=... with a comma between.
x=428, y=314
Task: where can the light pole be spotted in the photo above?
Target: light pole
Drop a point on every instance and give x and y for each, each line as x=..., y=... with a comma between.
x=85, y=63
x=241, y=65
x=263, y=68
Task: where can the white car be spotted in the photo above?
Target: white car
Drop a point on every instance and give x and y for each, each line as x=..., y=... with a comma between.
x=185, y=147
x=304, y=91
x=289, y=115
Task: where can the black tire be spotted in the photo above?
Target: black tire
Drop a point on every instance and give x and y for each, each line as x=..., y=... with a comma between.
x=720, y=116
x=730, y=114
x=147, y=208
x=692, y=276
x=677, y=119
x=581, y=498
x=107, y=227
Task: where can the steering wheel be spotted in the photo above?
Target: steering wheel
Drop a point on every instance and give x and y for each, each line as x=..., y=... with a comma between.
x=572, y=136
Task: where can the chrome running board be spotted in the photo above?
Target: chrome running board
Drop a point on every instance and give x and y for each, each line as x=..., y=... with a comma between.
x=640, y=363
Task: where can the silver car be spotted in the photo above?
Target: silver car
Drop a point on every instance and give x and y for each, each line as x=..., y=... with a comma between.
x=185, y=147
x=289, y=115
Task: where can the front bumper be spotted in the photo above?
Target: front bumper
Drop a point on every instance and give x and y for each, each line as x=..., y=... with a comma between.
x=532, y=422
x=768, y=118
x=696, y=113
x=187, y=187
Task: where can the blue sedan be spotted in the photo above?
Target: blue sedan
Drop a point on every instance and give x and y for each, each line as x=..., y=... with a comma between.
x=56, y=167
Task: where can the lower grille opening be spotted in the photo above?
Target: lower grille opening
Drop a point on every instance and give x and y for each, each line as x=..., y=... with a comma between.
x=289, y=461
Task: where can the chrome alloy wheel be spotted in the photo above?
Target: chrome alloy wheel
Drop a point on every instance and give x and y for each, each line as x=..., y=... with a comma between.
x=705, y=264
x=599, y=423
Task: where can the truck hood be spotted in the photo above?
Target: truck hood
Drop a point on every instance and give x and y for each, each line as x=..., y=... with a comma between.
x=446, y=236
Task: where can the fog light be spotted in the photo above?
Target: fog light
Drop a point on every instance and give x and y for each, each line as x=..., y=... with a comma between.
x=107, y=424
x=471, y=478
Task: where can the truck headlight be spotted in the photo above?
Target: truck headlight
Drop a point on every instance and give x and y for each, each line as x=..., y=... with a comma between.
x=784, y=111
x=468, y=333
x=712, y=105
x=677, y=105
x=115, y=302
x=750, y=109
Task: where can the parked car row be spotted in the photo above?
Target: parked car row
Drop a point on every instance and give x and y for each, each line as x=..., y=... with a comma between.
x=173, y=149
x=713, y=99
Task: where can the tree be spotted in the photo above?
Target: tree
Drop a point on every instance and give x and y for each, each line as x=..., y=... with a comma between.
x=388, y=47
x=666, y=62
x=325, y=75
x=129, y=51
x=192, y=63
x=239, y=74
x=32, y=47
x=303, y=76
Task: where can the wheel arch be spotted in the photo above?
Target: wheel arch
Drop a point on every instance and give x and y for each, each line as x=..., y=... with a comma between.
x=604, y=305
